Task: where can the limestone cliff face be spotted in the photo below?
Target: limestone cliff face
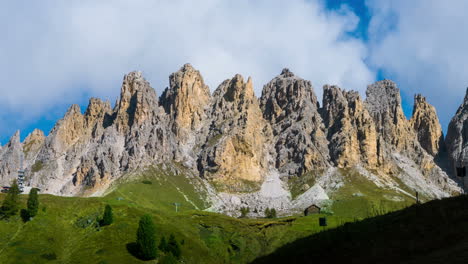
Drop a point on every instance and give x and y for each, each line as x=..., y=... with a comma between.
x=399, y=151
x=138, y=102
x=290, y=106
x=350, y=128
x=427, y=126
x=186, y=100
x=33, y=143
x=236, y=146
x=384, y=104
x=457, y=139
x=10, y=157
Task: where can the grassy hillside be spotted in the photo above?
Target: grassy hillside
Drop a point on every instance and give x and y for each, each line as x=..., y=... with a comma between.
x=64, y=230
x=434, y=232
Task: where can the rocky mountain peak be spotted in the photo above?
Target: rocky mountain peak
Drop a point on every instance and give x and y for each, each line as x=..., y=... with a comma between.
x=237, y=90
x=15, y=139
x=288, y=96
x=384, y=104
x=426, y=124
x=235, y=145
x=35, y=135
x=350, y=128
x=33, y=143
x=138, y=101
x=286, y=73
x=290, y=105
x=185, y=100
x=96, y=111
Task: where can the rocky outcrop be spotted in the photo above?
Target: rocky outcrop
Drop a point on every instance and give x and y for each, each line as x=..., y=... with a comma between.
x=186, y=100
x=457, y=139
x=350, y=128
x=427, y=126
x=138, y=102
x=236, y=149
x=290, y=106
x=33, y=143
x=384, y=104
x=10, y=159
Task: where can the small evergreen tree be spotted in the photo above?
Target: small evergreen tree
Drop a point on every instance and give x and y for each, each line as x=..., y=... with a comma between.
x=25, y=216
x=108, y=217
x=244, y=211
x=163, y=244
x=146, y=241
x=272, y=213
x=10, y=204
x=174, y=247
x=33, y=202
x=267, y=213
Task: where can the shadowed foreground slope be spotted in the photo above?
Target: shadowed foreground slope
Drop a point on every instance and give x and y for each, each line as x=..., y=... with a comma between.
x=434, y=232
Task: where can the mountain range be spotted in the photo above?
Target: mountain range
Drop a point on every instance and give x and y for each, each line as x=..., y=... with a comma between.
x=283, y=149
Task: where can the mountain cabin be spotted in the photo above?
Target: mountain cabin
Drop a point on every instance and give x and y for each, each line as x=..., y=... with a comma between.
x=313, y=209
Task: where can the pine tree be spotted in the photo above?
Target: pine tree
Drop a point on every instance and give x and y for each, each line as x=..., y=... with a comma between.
x=33, y=202
x=10, y=204
x=163, y=244
x=146, y=240
x=267, y=213
x=273, y=213
x=173, y=247
x=108, y=217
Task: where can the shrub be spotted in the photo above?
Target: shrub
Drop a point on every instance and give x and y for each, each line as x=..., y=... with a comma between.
x=146, y=241
x=147, y=182
x=37, y=166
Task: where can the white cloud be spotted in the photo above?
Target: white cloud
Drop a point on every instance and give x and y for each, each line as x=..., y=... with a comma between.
x=58, y=52
x=422, y=45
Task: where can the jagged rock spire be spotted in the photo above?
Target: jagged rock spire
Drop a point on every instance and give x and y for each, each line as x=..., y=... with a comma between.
x=138, y=102
x=350, y=128
x=185, y=100
x=290, y=105
x=426, y=124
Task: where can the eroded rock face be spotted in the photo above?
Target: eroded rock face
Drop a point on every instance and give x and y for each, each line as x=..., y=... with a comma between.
x=384, y=104
x=427, y=126
x=236, y=147
x=290, y=106
x=457, y=138
x=186, y=100
x=10, y=159
x=138, y=102
x=350, y=129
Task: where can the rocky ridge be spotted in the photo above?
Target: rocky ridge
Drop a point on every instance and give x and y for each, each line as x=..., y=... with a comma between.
x=246, y=149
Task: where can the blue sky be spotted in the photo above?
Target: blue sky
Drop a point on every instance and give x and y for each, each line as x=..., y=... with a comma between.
x=57, y=53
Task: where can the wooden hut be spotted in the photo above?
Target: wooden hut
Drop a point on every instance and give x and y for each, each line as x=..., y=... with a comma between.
x=313, y=209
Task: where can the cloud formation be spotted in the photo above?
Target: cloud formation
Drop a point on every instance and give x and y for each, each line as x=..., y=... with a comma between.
x=56, y=53
x=422, y=45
